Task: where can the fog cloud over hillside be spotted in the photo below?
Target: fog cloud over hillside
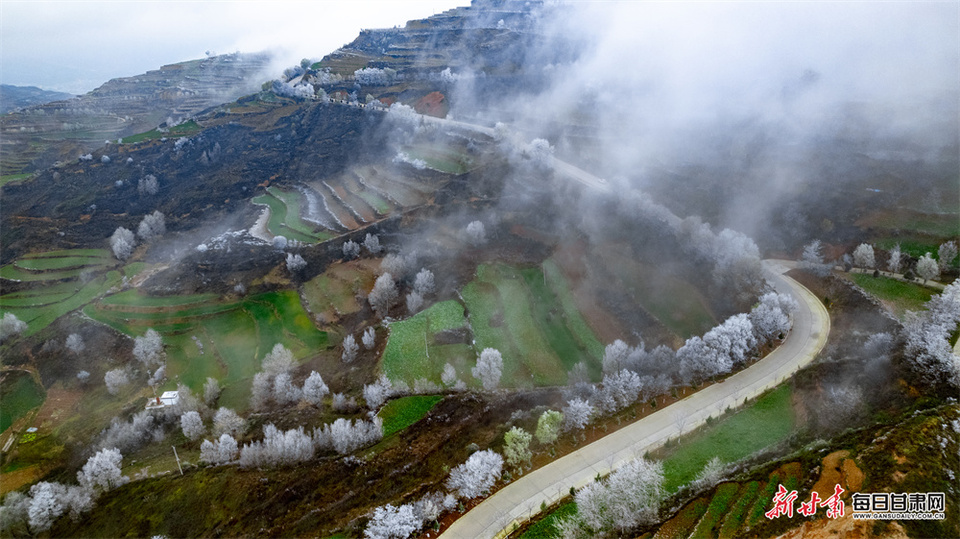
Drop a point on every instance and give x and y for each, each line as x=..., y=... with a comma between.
x=752, y=89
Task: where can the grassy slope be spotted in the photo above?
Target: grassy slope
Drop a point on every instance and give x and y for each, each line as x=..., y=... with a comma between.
x=901, y=296
x=400, y=413
x=19, y=394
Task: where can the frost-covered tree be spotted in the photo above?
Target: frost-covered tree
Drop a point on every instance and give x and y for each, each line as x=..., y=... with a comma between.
x=222, y=451
x=733, y=338
x=278, y=448
x=280, y=359
x=414, y=302
x=615, y=357
x=280, y=242
x=211, y=391
x=709, y=476
x=449, y=375
x=619, y=390
x=423, y=283
x=260, y=390
x=391, y=522
x=489, y=368
x=144, y=427
x=192, y=425
x=226, y=421
x=476, y=233
x=548, y=426
x=771, y=316
x=148, y=349
x=946, y=253
x=122, y=243
x=350, y=349
x=516, y=447
x=148, y=185
x=75, y=343
x=540, y=151
x=102, y=471
x=927, y=267
x=894, y=262
x=10, y=325
x=152, y=226
x=157, y=377
x=576, y=414
x=863, y=256
x=395, y=265
x=46, y=505
x=927, y=335
x=345, y=436
x=116, y=380
x=383, y=295
x=295, y=263
x=351, y=249
x=378, y=392
x=372, y=243
x=314, y=389
x=477, y=475
x=812, y=259
x=699, y=361
x=14, y=513
x=629, y=496
x=284, y=392
x=83, y=377
x=369, y=338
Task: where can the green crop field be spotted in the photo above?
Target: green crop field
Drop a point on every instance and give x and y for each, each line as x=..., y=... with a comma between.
x=900, y=295
x=538, y=331
x=235, y=335
x=412, y=353
x=334, y=292
x=767, y=421
x=376, y=201
x=400, y=413
x=724, y=496
x=19, y=394
x=8, y=178
x=183, y=130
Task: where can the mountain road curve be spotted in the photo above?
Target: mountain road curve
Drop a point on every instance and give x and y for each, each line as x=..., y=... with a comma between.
x=520, y=500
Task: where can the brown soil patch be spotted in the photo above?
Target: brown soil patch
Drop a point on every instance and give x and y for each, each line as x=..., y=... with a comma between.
x=844, y=526
x=10, y=481
x=852, y=475
x=838, y=469
x=831, y=474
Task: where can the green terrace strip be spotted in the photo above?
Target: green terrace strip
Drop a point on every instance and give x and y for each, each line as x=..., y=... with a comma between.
x=285, y=217
x=19, y=393
x=441, y=159
x=9, y=178
x=39, y=307
x=183, y=130
x=401, y=413
x=724, y=496
x=375, y=201
x=513, y=311
x=57, y=265
x=413, y=353
x=902, y=296
x=745, y=499
x=206, y=337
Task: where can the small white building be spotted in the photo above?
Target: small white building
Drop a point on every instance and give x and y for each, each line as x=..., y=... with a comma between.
x=169, y=398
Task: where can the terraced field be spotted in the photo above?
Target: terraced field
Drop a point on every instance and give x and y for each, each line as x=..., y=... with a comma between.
x=204, y=336
x=538, y=331
x=62, y=281
x=286, y=218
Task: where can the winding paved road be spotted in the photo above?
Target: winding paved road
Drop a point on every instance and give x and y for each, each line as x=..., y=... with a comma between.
x=520, y=500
